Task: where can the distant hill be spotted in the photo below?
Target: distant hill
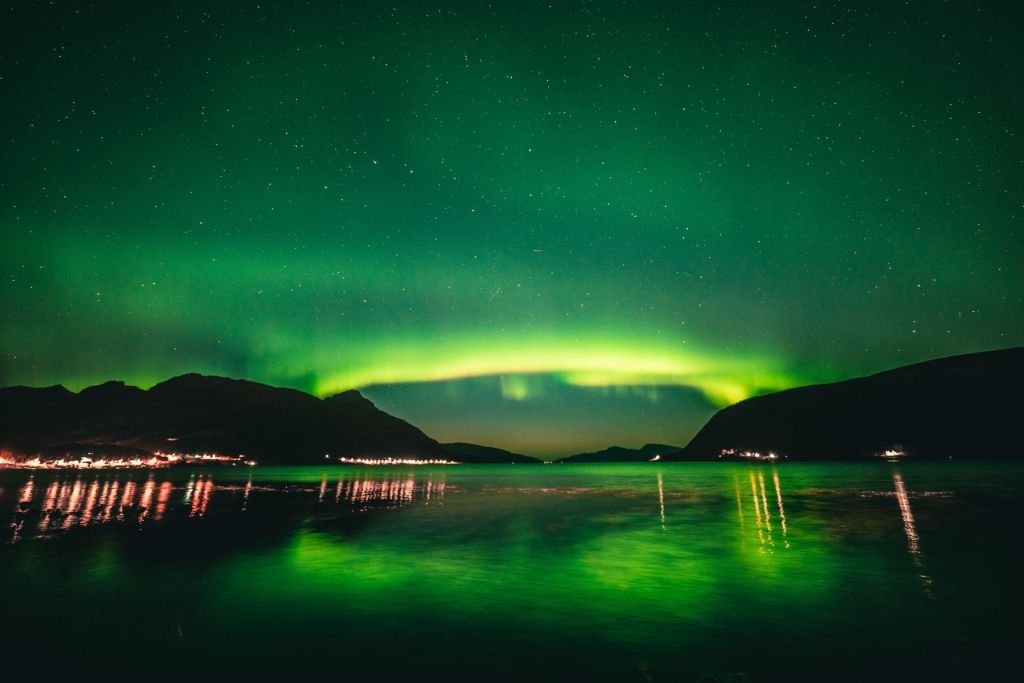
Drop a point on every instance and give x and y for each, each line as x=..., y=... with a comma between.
x=195, y=413
x=963, y=407
x=484, y=454
x=620, y=454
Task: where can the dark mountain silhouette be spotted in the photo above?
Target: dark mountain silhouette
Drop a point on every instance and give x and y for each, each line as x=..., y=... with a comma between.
x=620, y=454
x=485, y=454
x=195, y=413
x=963, y=407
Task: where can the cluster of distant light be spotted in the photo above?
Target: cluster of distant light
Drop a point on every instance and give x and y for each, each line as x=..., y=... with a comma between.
x=393, y=461
x=770, y=456
x=81, y=463
x=892, y=454
x=200, y=458
x=158, y=460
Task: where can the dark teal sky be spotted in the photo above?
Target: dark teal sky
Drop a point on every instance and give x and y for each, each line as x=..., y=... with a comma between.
x=545, y=227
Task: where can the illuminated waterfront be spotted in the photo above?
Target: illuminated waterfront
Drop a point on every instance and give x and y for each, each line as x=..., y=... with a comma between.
x=613, y=572
x=9, y=461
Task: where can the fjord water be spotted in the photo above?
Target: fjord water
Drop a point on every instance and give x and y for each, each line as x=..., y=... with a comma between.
x=641, y=572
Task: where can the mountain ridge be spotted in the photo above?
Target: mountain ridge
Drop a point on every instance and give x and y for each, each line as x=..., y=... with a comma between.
x=207, y=413
x=487, y=453
x=960, y=406
x=621, y=454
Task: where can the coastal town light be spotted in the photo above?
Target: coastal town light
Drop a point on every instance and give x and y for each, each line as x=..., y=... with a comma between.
x=102, y=462
x=770, y=456
x=395, y=461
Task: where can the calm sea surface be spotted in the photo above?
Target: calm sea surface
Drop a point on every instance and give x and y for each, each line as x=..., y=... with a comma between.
x=638, y=572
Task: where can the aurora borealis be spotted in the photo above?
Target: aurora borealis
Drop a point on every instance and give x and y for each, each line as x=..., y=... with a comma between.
x=542, y=226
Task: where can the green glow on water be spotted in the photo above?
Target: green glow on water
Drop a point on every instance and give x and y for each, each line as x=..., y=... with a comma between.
x=617, y=572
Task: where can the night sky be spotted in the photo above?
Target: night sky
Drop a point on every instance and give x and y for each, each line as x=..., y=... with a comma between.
x=544, y=226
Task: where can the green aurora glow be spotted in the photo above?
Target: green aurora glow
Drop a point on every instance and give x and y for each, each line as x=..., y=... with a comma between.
x=541, y=227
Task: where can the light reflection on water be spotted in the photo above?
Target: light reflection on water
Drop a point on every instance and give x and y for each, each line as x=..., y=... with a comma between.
x=80, y=500
x=909, y=528
x=638, y=572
